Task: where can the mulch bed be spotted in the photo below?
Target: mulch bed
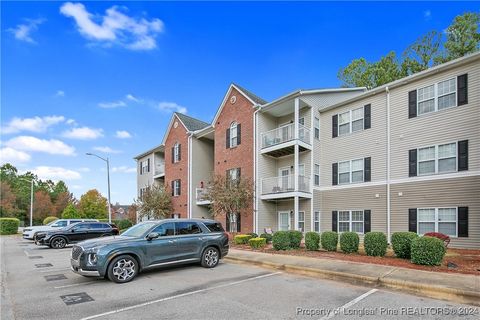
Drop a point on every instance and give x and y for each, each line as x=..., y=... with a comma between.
x=467, y=261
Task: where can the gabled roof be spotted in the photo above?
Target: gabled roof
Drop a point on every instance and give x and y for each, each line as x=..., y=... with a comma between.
x=191, y=124
x=250, y=95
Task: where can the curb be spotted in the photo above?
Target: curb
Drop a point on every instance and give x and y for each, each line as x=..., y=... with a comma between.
x=430, y=291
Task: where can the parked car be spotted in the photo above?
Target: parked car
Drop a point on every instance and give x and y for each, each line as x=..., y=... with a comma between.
x=29, y=232
x=151, y=244
x=77, y=232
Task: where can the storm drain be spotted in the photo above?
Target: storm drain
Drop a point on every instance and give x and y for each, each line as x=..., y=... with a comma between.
x=55, y=277
x=43, y=265
x=35, y=257
x=76, y=298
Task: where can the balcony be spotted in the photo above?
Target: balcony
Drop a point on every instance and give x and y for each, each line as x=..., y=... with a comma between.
x=159, y=170
x=200, y=196
x=281, y=141
x=284, y=187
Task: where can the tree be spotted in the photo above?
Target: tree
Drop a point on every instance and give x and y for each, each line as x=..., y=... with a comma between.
x=132, y=213
x=156, y=203
x=42, y=205
x=93, y=205
x=8, y=206
x=422, y=53
x=63, y=199
x=70, y=212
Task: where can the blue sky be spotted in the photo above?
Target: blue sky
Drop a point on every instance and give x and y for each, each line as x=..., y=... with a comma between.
x=105, y=77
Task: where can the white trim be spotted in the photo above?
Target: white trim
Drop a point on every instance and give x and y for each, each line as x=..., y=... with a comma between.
x=289, y=220
x=436, y=96
x=350, y=171
x=314, y=221
x=312, y=116
x=436, y=159
x=222, y=105
x=298, y=222
x=350, y=220
x=436, y=221
x=286, y=195
x=170, y=124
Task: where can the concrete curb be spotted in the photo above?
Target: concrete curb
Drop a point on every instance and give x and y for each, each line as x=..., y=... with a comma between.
x=431, y=291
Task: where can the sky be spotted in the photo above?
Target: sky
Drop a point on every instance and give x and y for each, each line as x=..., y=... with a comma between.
x=105, y=77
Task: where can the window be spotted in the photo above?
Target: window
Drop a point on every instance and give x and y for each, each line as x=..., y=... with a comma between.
x=214, y=226
x=176, y=188
x=437, y=96
x=316, y=175
x=437, y=159
x=357, y=119
x=446, y=94
x=144, y=166
x=301, y=221
x=61, y=224
x=443, y=220
x=316, y=125
x=233, y=222
x=165, y=229
x=176, y=153
x=233, y=135
x=350, y=121
x=316, y=221
x=344, y=123
x=351, y=171
x=350, y=221
x=233, y=175
x=184, y=228
x=175, y=216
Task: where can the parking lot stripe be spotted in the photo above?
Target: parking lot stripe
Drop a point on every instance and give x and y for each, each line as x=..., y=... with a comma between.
x=179, y=296
x=349, y=304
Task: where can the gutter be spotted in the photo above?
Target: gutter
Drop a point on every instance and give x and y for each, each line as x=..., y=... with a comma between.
x=255, y=155
x=189, y=193
x=387, y=91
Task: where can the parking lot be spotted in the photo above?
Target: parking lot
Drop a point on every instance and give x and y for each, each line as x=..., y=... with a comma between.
x=37, y=284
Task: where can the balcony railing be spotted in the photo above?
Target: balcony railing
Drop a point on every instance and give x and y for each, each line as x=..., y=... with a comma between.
x=200, y=195
x=285, y=134
x=160, y=168
x=285, y=184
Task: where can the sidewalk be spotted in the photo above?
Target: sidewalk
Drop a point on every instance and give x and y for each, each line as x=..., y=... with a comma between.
x=446, y=286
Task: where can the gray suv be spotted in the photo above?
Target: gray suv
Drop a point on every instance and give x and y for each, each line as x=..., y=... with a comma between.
x=151, y=244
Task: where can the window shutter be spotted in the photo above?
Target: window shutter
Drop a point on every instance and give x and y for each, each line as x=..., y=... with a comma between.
x=239, y=133
x=412, y=163
x=140, y=167
x=179, y=152
x=148, y=165
x=366, y=221
x=179, y=187
x=462, y=155
x=334, y=220
x=367, y=116
x=367, y=167
x=462, y=89
x=239, y=174
x=173, y=154
x=335, y=126
x=412, y=220
x=462, y=222
x=239, y=222
x=227, y=222
x=412, y=104
x=334, y=174
x=228, y=138
x=173, y=188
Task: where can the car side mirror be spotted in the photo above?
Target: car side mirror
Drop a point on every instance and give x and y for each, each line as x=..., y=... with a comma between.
x=153, y=235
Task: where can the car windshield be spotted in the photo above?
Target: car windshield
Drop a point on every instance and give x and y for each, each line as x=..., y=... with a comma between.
x=139, y=229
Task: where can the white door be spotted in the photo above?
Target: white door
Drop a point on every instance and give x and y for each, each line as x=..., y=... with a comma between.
x=284, y=221
x=285, y=179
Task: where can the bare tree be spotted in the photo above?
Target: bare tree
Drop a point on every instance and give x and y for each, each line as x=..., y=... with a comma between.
x=155, y=203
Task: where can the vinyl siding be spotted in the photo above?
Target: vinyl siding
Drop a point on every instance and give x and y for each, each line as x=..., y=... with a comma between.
x=202, y=170
x=146, y=179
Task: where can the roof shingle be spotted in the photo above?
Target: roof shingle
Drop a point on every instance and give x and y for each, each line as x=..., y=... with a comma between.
x=251, y=95
x=192, y=124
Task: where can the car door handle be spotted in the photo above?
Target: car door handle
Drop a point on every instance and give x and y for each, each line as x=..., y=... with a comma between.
x=171, y=241
x=200, y=238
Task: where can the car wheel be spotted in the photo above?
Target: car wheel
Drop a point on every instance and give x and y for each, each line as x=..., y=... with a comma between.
x=122, y=269
x=58, y=243
x=210, y=257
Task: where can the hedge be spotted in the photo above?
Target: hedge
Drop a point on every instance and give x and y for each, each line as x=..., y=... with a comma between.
x=281, y=240
x=375, y=244
x=242, y=238
x=402, y=243
x=253, y=234
x=257, y=243
x=267, y=236
x=312, y=241
x=295, y=239
x=349, y=242
x=123, y=224
x=9, y=225
x=329, y=240
x=428, y=251
x=47, y=220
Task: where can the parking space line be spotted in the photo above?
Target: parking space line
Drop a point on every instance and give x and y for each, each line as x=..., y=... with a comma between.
x=349, y=304
x=179, y=296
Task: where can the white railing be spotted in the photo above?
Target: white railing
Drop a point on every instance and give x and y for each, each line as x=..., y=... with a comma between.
x=285, y=134
x=160, y=168
x=285, y=184
x=200, y=194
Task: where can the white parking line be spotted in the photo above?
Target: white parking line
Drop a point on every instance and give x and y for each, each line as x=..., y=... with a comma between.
x=349, y=304
x=26, y=253
x=179, y=296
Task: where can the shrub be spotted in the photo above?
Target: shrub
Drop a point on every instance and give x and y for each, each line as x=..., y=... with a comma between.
x=438, y=235
x=349, y=242
x=9, y=225
x=329, y=240
x=375, y=244
x=47, y=220
x=281, y=240
x=295, y=239
x=253, y=234
x=402, y=243
x=257, y=243
x=312, y=241
x=267, y=236
x=428, y=251
x=123, y=224
x=242, y=238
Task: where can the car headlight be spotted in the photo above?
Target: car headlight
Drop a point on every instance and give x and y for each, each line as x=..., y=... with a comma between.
x=27, y=229
x=91, y=259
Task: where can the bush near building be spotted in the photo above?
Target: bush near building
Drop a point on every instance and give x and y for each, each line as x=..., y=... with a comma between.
x=375, y=244
x=267, y=236
x=428, y=251
x=257, y=243
x=312, y=241
x=295, y=239
x=242, y=238
x=329, y=240
x=402, y=243
x=9, y=225
x=281, y=240
x=349, y=242
x=47, y=220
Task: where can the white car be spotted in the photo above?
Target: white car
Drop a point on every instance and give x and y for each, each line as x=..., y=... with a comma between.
x=29, y=232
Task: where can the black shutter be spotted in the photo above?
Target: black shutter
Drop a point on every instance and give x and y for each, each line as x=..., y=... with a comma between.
x=462, y=155
x=366, y=221
x=462, y=222
x=148, y=165
x=227, y=139
x=462, y=89
x=179, y=152
x=334, y=220
x=412, y=220
x=173, y=188
x=239, y=174
x=173, y=154
x=140, y=167
x=227, y=222
x=239, y=134
x=239, y=222
x=412, y=163
x=367, y=116
x=367, y=167
x=334, y=174
x=335, y=126
x=412, y=104
x=179, y=187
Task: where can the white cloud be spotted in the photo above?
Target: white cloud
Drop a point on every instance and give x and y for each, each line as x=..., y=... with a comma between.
x=28, y=143
x=71, y=122
x=427, y=14
x=56, y=173
x=131, y=97
x=106, y=150
x=171, y=106
x=84, y=169
x=23, y=31
x=60, y=93
x=83, y=133
x=112, y=105
x=13, y=156
x=76, y=187
x=122, y=134
x=35, y=124
x=124, y=169
x=115, y=27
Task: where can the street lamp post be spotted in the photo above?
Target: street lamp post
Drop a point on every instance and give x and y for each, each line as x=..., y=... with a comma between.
x=31, y=200
x=108, y=183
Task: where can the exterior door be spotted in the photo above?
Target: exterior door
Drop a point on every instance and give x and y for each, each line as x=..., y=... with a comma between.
x=164, y=248
x=285, y=182
x=284, y=221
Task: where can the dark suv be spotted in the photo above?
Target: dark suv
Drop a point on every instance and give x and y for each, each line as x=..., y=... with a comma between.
x=74, y=233
x=151, y=244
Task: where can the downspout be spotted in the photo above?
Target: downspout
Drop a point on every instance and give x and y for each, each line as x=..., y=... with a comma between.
x=255, y=175
x=387, y=91
x=189, y=194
